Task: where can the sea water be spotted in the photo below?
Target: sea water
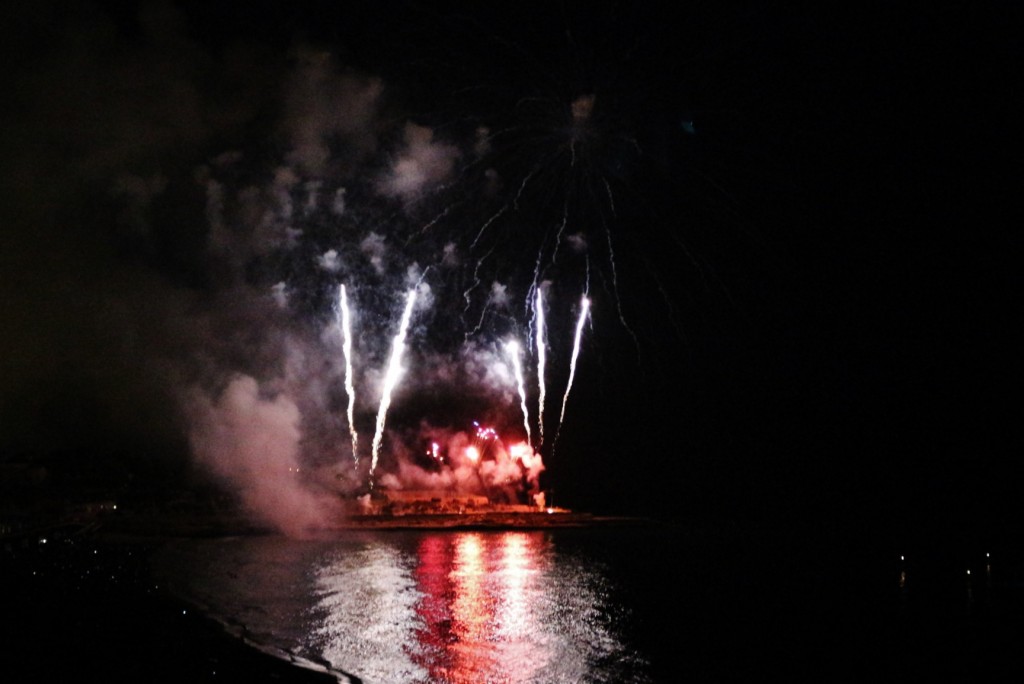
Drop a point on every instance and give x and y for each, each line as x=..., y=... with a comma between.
x=646, y=604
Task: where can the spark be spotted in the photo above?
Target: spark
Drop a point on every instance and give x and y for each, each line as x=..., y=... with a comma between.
x=533, y=288
x=391, y=379
x=469, y=291
x=488, y=222
x=346, y=345
x=615, y=288
x=430, y=224
x=561, y=230
x=584, y=311
x=541, y=360
x=522, y=187
x=512, y=347
x=611, y=197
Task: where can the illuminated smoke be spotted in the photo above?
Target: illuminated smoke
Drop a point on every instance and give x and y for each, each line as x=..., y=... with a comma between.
x=512, y=347
x=346, y=344
x=394, y=370
x=584, y=310
x=541, y=360
x=251, y=440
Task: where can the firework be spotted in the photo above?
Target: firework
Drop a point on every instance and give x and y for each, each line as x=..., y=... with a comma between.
x=584, y=311
x=391, y=379
x=512, y=347
x=541, y=360
x=345, y=322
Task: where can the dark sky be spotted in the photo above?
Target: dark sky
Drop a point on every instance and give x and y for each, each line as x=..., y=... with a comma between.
x=795, y=225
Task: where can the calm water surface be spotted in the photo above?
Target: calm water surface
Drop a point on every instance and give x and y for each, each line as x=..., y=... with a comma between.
x=527, y=606
x=607, y=605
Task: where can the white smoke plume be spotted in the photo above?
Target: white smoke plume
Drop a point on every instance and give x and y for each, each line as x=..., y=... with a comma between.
x=324, y=105
x=329, y=261
x=252, y=442
x=423, y=162
x=374, y=249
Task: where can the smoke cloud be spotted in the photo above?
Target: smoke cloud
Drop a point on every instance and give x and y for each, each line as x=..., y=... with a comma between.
x=252, y=442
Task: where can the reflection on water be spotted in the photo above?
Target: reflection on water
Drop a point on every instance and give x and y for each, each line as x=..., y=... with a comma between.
x=609, y=605
x=452, y=607
x=364, y=599
x=464, y=607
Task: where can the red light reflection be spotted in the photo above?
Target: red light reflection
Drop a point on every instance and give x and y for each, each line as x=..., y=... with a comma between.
x=475, y=607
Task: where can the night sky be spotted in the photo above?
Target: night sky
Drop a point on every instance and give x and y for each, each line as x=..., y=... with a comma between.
x=796, y=227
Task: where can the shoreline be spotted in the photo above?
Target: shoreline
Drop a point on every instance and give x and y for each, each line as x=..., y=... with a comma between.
x=86, y=591
x=86, y=606
x=485, y=521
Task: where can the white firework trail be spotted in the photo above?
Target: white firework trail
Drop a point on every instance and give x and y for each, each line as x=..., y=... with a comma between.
x=522, y=187
x=615, y=289
x=469, y=291
x=489, y=221
x=561, y=230
x=541, y=360
x=512, y=347
x=530, y=293
x=430, y=224
x=345, y=322
x=584, y=311
x=391, y=379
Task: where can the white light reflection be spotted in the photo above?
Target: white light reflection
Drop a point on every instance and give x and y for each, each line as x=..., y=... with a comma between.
x=421, y=607
x=368, y=602
x=515, y=575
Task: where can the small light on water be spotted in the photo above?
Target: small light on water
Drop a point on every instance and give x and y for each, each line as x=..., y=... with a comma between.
x=968, y=571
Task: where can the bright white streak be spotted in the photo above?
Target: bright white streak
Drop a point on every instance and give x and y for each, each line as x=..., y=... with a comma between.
x=391, y=379
x=512, y=347
x=346, y=346
x=541, y=360
x=575, y=354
